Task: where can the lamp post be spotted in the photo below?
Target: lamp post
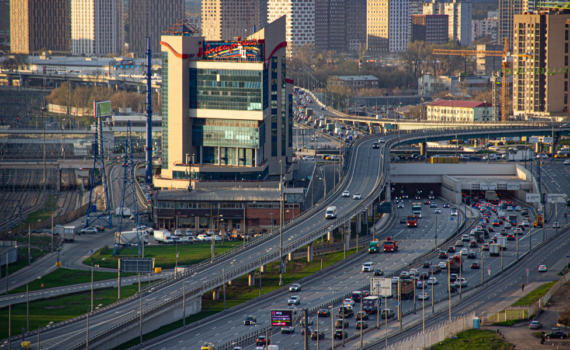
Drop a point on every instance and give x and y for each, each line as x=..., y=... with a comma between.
x=281, y=223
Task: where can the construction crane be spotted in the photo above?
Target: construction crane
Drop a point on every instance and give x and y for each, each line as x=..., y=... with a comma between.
x=505, y=54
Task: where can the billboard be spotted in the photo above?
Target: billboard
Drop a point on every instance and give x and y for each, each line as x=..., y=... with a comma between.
x=533, y=197
x=282, y=318
x=102, y=109
x=381, y=286
x=249, y=50
x=137, y=265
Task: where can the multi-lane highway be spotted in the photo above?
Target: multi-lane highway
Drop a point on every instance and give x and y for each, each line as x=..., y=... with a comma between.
x=362, y=179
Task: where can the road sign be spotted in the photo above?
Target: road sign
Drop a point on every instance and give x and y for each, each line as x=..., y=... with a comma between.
x=489, y=270
x=488, y=186
x=282, y=318
x=466, y=219
x=531, y=208
x=513, y=186
x=381, y=286
x=398, y=304
x=533, y=197
x=547, y=139
x=42, y=285
x=533, y=139
x=556, y=198
x=527, y=271
x=451, y=218
x=137, y=265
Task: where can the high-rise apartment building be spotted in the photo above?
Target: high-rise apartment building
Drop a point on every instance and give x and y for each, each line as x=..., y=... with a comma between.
x=149, y=18
x=387, y=25
x=432, y=29
x=226, y=107
x=415, y=8
x=540, y=82
x=97, y=27
x=507, y=10
x=356, y=24
x=230, y=19
x=4, y=21
x=487, y=64
x=39, y=24
x=300, y=17
x=484, y=27
x=331, y=25
x=460, y=16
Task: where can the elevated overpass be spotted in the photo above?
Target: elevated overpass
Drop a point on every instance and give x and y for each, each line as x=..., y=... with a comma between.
x=365, y=171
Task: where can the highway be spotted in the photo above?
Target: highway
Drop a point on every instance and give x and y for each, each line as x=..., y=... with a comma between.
x=361, y=179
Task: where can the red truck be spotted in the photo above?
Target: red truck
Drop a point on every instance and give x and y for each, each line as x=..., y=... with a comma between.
x=390, y=245
x=455, y=264
x=412, y=221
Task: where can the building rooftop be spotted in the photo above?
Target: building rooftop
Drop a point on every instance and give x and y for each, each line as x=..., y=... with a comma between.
x=356, y=77
x=86, y=61
x=461, y=104
x=226, y=194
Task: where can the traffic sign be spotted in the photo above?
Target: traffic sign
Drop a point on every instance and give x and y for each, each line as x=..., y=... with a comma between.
x=42, y=285
x=466, y=219
x=451, y=218
x=527, y=271
x=397, y=304
x=533, y=197
x=531, y=208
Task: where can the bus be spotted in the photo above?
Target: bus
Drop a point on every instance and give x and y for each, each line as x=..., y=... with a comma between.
x=417, y=209
x=371, y=304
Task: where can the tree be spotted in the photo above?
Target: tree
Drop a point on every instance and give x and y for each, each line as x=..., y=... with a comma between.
x=415, y=56
x=61, y=96
x=80, y=97
x=362, y=51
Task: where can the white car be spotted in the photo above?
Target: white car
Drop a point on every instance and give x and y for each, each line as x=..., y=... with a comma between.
x=309, y=158
x=526, y=223
x=189, y=233
x=348, y=301
x=346, y=194
x=400, y=205
x=508, y=226
x=413, y=272
x=461, y=281
x=432, y=280
x=357, y=196
x=555, y=224
x=91, y=230
x=204, y=238
x=368, y=266
x=381, y=141
x=509, y=208
x=395, y=279
x=294, y=300
x=437, y=211
x=518, y=208
x=178, y=232
x=217, y=238
x=423, y=296
x=566, y=162
x=542, y=268
x=442, y=265
x=464, y=251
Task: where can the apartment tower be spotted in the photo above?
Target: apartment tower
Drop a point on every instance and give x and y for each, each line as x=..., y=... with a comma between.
x=231, y=19
x=331, y=25
x=387, y=25
x=97, y=27
x=39, y=24
x=300, y=20
x=460, y=19
x=507, y=10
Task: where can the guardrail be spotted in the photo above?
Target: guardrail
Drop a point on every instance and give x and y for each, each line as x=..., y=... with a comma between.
x=217, y=281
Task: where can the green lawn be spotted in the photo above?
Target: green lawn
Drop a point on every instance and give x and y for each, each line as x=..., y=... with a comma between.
x=65, y=277
x=474, y=339
x=533, y=296
x=23, y=260
x=165, y=255
x=58, y=309
x=240, y=292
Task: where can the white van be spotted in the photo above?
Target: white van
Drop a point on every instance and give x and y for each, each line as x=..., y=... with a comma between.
x=330, y=213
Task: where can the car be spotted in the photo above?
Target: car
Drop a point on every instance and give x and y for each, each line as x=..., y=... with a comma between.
x=91, y=230
x=348, y=301
x=471, y=255
x=433, y=205
x=386, y=313
x=566, y=162
x=400, y=205
x=357, y=196
x=508, y=226
x=542, y=268
x=461, y=281
x=378, y=272
x=510, y=237
x=340, y=334
x=368, y=266
x=395, y=279
x=361, y=315
x=442, y=265
x=309, y=329
x=432, y=280
x=287, y=330
x=465, y=238
x=472, y=244
x=250, y=320
x=361, y=325
x=427, y=202
x=295, y=287
x=346, y=194
x=437, y=211
x=526, y=223
x=320, y=335
x=459, y=243
x=464, y=251
x=535, y=325
x=261, y=340
x=423, y=296
x=451, y=249
x=420, y=284
x=404, y=274
x=413, y=272
x=294, y=300
x=475, y=265
x=556, y=333
x=446, y=205
x=207, y=346
x=341, y=323
x=403, y=221
x=323, y=313
x=555, y=224
x=381, y=140
x=309, y=158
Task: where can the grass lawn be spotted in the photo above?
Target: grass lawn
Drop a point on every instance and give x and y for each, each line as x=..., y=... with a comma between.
x=165, y=255
x=66, y=277
x=474, y=339
x=23, y=260
x=533, y=296
x=240, y=292
x=58, y=309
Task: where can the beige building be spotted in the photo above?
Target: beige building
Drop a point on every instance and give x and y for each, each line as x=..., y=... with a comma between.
x=460, y=16
x=97, y=27
x=355, y=82
x=149, y=18
x=507, y=10
x=230, y=19
x=300, y=15
x=38, y=24
x=540, y=82
x=459, y=111
x=226, y=108
x=387, y=25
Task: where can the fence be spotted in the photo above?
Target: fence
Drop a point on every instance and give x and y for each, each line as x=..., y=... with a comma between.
x=46, y=223
x=506, y=315
x=436, y=334
x=535, y=308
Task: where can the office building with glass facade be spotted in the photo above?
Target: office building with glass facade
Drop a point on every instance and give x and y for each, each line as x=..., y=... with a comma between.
x=226, y=107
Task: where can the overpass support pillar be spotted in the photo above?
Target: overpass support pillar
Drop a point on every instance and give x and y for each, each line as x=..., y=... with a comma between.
x=423, y=149
x=284, y=264
x=251, y=279
x=310, y=252
x=370, y=126
x=290, y=256
x=347, y=240
x=263, y=268
x=359, y=223
x=537, y=147
x=330, y=237
x=216, y=294
x=389, y=192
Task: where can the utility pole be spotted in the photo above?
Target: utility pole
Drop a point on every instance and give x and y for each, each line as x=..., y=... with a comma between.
x=224, y=284
x=183, y=303
x=281, y=263
x=27, y=308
